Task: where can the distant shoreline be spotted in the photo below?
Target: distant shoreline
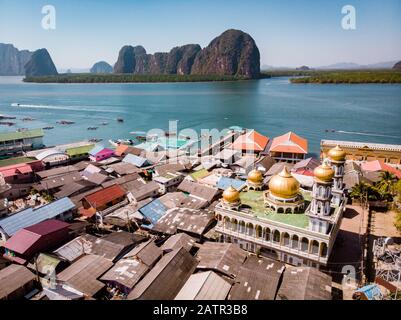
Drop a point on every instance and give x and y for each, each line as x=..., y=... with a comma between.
x=132, y=78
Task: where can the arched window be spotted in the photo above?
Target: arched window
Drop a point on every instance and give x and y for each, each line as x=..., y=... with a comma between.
x=323, y=249
x=276, y=236
x=258, y=231
x=242, y=226
x=295, y=242
x=249, y=230
x=304, y=244
x=285, y=239
x=315, y=247
x=267, y=234
x=280, y=210
x=234, y=225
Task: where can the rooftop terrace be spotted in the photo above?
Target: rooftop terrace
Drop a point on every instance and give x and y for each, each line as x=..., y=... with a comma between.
x=254, y=199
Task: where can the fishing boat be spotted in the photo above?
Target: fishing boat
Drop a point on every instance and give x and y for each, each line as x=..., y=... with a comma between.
x=120, y=120
x=6, y=123
x=92, y=128
x=104, y=123
x=5, y=117
x=65, y=122
x=121, y=141
x=28, y=119
x=48, y=128
x=95, y=140
x=15, y=104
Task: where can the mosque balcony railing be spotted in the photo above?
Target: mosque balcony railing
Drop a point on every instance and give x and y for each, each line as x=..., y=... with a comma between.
x=272, y=244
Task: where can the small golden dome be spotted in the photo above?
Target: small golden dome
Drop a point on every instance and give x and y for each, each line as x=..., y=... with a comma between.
x=324, y=172
x=255, y=176
x=337, y=154
x=284, y=185
x=231, y=195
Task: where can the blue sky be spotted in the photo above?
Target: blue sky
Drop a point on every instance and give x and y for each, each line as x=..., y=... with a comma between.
x=287, y=32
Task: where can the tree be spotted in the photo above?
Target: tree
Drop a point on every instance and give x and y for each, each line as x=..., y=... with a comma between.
x=386, y=184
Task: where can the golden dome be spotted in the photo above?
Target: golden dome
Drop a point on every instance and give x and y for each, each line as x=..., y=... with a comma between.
x=324, y=172
x=231, y=195
x=255, y=176
x=284, y=185
x=337, y=154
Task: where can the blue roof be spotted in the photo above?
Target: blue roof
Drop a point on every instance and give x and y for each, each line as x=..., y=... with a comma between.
x=96, y=149
x=153, y=211
x=29, y=217
x=372, y=291
x=135, y=160
x=225, y=182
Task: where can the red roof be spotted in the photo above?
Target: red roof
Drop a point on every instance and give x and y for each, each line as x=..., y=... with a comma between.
x=106, y=195
x=379, y=165
x=304, y=172
x=251, y=141
x=25, y=238
x=15, y=169
x=47, y=227
x=289, y=142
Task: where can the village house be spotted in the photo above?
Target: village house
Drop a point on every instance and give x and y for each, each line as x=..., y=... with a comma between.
x=52, y=158
x=89, y=244
x=166, y=278
x=103, y=201
x=27, y=242
x=83, y=274
x=129, y=270
x=15, y=282
x=251, y=142
x=289, y=148
x=168, y=181
x=15, y=143
x=62, y=209
x=99, y=153
x=22, y=172
x=204, y=286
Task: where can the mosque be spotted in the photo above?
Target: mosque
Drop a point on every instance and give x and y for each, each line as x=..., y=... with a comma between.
x=279, y=219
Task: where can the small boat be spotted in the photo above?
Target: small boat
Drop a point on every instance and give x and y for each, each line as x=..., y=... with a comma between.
x=28, y=119
x=65, y=122
x=170, y=134
x=48, y=128
x=120, y=120
x=95, y=140
x=6, y=123
x=5, y=117
x=92, y=128
x=121, y=141
x=104, y=123
x=15, y=104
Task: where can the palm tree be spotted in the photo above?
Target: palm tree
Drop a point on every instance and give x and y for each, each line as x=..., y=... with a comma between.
x=360, y=191
x=386, y=184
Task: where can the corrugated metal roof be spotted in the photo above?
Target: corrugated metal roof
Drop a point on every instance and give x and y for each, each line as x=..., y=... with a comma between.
x=6, y=136
x=104, y=196
x=135, y=160
x=29, y=217
x=204, y=286
x=153, y=211
x=96, y=149
x=13, y=278
x=166, y=278
x=223, y=183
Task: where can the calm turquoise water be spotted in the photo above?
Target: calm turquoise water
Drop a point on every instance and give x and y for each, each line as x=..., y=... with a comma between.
x=271, y=106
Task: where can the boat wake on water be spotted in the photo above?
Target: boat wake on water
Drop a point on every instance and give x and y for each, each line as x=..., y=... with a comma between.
x=367, y=134
x=70, y=108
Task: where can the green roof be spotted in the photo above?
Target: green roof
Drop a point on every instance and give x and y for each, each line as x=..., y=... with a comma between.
x=79, y=150
x=254, y=199
x=17, y=160
x=199, y=174
x=34, y=133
